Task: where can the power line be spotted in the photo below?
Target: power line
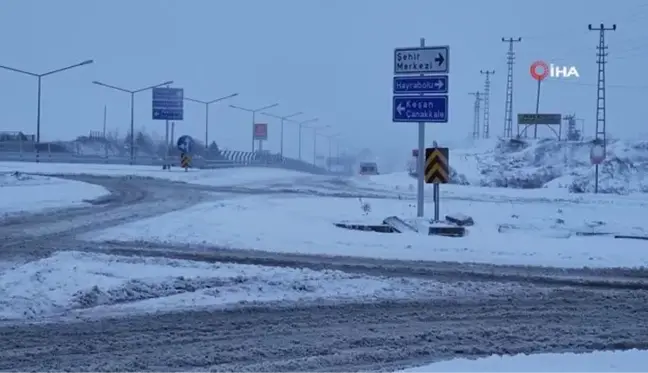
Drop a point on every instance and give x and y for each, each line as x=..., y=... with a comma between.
x=600, y=95
x=508, y=107
x=607, y=86
x=477, y=111
x=487, y=82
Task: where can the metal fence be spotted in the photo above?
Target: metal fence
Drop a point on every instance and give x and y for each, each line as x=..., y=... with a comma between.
x=147, y=160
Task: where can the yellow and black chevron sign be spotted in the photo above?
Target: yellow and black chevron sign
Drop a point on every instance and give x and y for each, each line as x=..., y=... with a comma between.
x=437, y=165
x=185, y=160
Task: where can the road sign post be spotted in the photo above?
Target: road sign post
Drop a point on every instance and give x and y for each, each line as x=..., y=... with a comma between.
x=260, y=133
x=422, y=60
x=421, y=108
x=549, y=120
x=432, y=109
x=168, y=103
x=185, y=161
x=185, y=146
x=597, y=156
x=407, y=85
x=437, y=171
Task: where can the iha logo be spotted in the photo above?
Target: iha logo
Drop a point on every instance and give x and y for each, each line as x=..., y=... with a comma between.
x=541, y=70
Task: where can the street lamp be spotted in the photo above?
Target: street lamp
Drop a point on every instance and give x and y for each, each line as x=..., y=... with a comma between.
x=207, y=103
x=301, y=126
x=40, y=76
x=330, y=148
x=282, y=126
x=315, y=129
x=254, y=111
x=132, y=109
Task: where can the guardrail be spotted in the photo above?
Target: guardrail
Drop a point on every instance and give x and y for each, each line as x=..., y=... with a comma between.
x=201, y=163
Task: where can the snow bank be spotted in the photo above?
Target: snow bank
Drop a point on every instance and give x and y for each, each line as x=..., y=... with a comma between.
x=509, y=229
x=94, y=285
x=28, y=193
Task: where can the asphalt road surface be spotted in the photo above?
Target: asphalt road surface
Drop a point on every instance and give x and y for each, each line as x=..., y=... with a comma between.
x=562, y=310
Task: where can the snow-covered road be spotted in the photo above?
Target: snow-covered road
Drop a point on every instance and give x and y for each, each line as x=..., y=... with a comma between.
x=23, y=193
x=356, y=336
x=219, y=305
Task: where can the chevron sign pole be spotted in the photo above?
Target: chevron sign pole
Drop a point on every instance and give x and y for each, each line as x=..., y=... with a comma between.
x=437, y=171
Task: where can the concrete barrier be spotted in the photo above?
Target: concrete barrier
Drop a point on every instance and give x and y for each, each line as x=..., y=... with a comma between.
x=399, y=225
x=379, y=228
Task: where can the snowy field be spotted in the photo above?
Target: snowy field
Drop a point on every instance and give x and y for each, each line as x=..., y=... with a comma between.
x=549, y=163
x=404, y=184
x=27, y=193
x=217, y=177
x=94, y=285
x=599, y=361
x=525, y=233
x=554, y=164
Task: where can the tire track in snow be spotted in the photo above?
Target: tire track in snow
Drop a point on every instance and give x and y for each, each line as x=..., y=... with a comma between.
x=323, y=337
x=603, y=278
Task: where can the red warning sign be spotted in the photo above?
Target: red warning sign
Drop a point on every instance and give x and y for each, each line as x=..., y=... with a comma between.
x=260, y=131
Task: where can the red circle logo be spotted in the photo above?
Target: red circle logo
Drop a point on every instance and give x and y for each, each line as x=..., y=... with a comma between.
x=539, y=70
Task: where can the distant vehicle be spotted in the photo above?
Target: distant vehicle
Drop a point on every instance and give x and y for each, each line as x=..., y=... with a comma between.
x=368, y=168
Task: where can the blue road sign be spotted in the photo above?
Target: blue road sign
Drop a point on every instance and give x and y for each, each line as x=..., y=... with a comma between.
x=185, y=143
x=432, y=109
x=420, y=84
x=168, y=103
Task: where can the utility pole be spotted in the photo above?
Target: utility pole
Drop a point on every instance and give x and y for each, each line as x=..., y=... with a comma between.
x=486, y=131
x=254, y=111
x=477, y=111
x=573, y=133
x=207, y=103
x=300, y=125
x=600, y=95
x=105, y=117
x=508, y=110
x=283, y=119
x=132, y=108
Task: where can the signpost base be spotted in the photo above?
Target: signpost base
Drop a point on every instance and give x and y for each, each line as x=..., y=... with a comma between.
x=439, y=229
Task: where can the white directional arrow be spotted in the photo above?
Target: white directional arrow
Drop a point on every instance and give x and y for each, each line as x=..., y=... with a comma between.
x=439, y=84
x=400, y=108
x=156, y=113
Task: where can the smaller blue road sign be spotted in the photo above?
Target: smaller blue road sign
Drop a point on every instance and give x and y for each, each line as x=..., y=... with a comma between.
x=420, y=84
x=168, y=103
x=432, y=109
x=185, y=143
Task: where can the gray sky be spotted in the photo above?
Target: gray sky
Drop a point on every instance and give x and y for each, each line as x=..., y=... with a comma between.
x=328, y=58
